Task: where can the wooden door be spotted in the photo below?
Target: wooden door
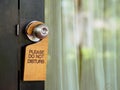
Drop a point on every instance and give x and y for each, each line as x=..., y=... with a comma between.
x=13, y=42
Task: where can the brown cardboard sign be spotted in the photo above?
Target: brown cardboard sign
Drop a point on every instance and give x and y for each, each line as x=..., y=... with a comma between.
x=36, y=61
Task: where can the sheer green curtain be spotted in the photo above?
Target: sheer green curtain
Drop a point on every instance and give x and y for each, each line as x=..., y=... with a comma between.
x=62, y=70
x=99, y=47
x=84, y=42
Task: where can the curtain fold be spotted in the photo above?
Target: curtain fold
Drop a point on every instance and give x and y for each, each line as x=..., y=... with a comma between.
x=62, y=70
x=99, y=47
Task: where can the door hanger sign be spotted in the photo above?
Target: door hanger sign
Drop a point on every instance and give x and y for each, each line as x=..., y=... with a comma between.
x=36, y=54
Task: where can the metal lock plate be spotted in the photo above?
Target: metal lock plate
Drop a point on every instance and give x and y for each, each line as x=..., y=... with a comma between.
x=36, y=54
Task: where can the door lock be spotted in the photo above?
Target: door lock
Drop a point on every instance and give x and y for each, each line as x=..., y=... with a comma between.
x=36, y=31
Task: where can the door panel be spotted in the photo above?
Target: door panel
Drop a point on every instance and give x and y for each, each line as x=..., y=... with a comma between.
x=12, y=47
x=8, y=45
x=30, y=10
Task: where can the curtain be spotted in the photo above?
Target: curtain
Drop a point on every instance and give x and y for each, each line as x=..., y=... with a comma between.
x=99, y=46
x=62, y=68
x=84, y=42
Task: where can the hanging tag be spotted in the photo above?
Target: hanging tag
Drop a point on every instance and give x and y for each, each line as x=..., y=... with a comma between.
x=36, y=61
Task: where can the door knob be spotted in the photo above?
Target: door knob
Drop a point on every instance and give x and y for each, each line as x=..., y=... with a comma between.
x=40, y=31
x=36, y=31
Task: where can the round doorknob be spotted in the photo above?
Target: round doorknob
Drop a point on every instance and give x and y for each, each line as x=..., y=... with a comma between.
x=41, y=31
x=36, y=31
